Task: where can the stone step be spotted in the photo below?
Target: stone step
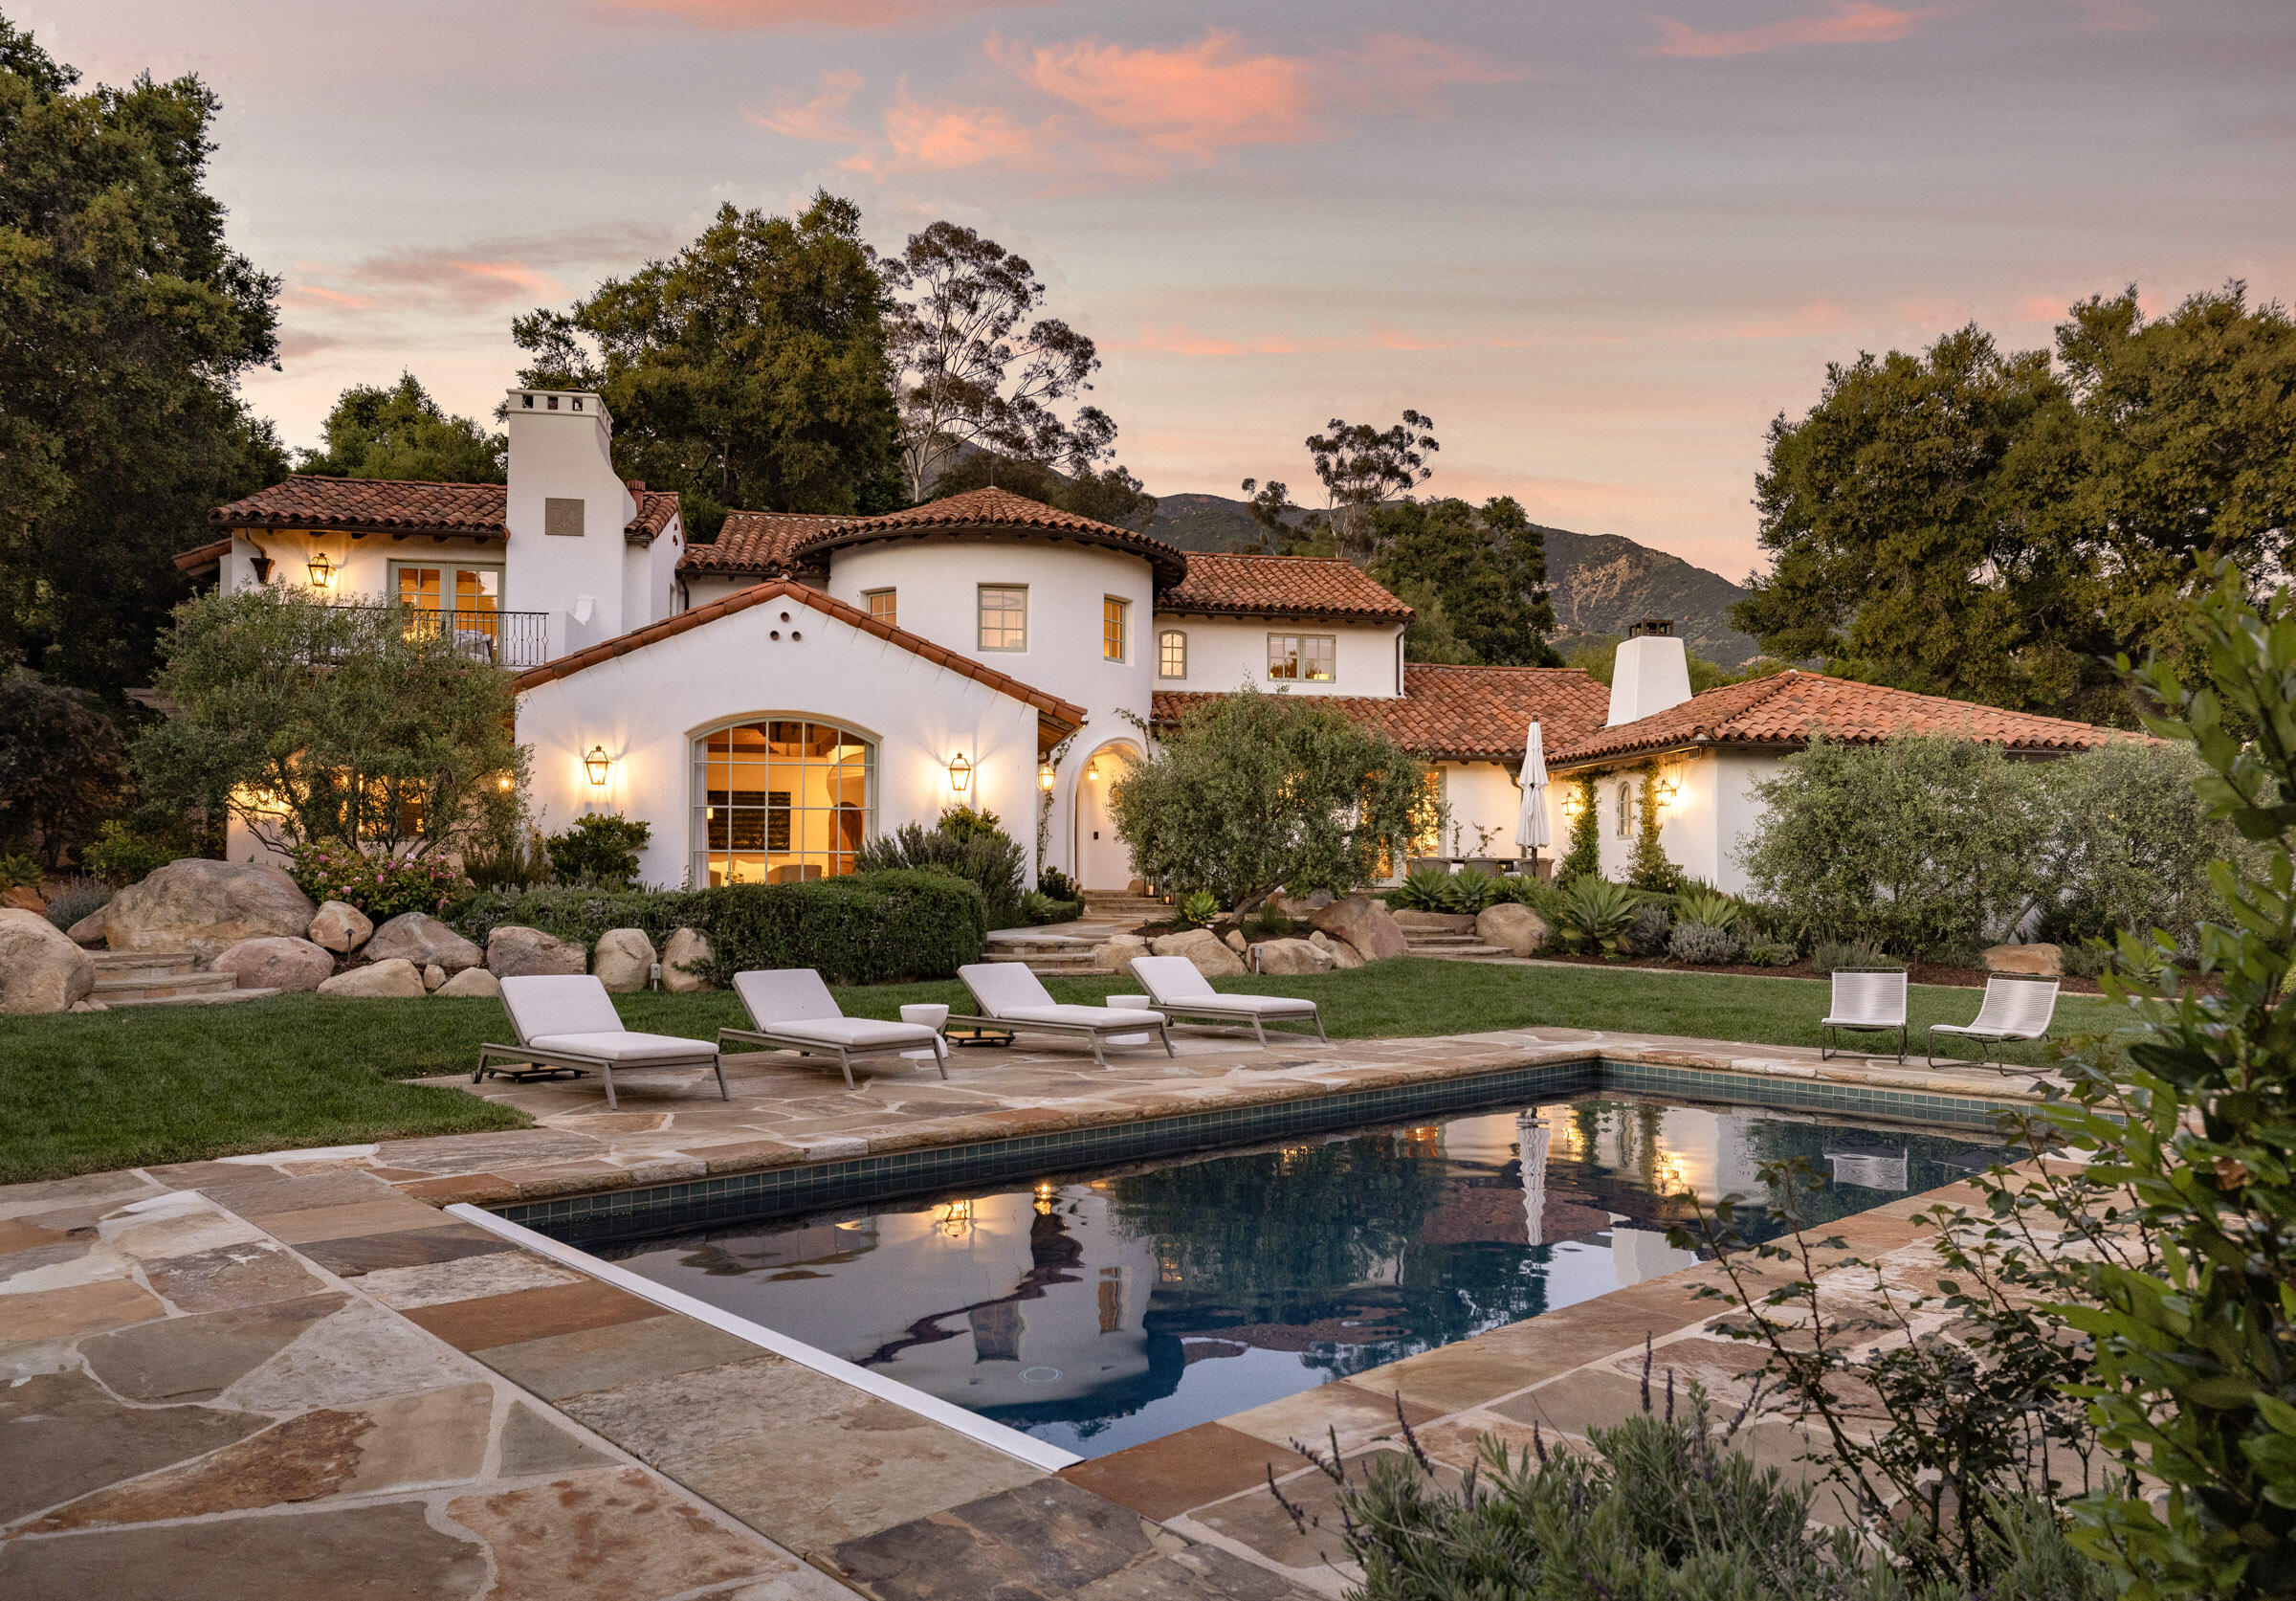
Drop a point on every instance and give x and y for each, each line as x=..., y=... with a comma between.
x=160, y=986
x=1429, y=942
x=1073, y=964
x=1465, y=953
x=127, y=961
x=214, y=998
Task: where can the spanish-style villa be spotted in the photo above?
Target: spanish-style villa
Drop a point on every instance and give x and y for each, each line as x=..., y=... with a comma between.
x=769, y=701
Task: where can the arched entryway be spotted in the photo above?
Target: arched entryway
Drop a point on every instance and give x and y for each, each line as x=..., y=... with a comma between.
x=1102, y=860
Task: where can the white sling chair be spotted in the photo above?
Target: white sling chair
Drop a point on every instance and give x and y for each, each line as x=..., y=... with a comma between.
x=567, y=1022
x=1013, y=998
x=1866, y=1001
x=2016, y=1007
x=792, y=1010
x=1178, y=989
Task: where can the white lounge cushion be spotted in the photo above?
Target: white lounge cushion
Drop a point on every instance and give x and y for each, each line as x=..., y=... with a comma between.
x=1171, y=978
x=775, y=995
x=559, y=1004
x=1082, y=1016
x=852, y=1032
x=1263, y=1006
x=625, y=1047
x=1001, y=986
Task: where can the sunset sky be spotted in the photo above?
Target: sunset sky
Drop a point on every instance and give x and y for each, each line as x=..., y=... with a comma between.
x=1601, y=244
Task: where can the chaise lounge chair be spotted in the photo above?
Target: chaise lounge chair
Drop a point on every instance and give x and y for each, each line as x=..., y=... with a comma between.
x=1178, y=989
x=1866, y=1001
x=2016, y=1007
x=792, y=1010
x=567, y=1022
x=1011, y=997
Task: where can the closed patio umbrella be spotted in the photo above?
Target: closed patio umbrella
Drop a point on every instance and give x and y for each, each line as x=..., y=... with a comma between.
x=1531, y=823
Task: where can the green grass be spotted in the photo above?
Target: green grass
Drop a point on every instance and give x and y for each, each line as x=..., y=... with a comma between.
x=87, y=1092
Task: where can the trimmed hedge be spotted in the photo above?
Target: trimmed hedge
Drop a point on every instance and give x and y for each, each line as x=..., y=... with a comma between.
x=861, y=929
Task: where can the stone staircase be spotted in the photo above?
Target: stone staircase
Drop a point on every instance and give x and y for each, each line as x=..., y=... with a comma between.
x=1448, y=937
x=1113, y=906
x=134, y=978
x=1043, y=952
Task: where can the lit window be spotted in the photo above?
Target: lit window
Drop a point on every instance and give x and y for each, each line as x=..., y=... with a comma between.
x=881, y=606
x=781, y=802
x=1172, y=654
x=1626, y=809
x=1003, y=617
x=1112, y=614
x=1302, y=657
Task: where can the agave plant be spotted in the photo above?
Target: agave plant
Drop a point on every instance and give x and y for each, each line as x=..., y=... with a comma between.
x=1472, y=889
x=1198, y=909
x=1708, y=906
x=1598, y=916
x=1427, y=890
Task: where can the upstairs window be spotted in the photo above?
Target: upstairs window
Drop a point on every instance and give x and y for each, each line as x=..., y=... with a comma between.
x=1302, y=657
x=1003, y=616
x=881, y=606
x=1171, y=655
x=1114, y=614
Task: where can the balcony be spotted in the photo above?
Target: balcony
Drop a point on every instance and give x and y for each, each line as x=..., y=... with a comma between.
x=505, y=638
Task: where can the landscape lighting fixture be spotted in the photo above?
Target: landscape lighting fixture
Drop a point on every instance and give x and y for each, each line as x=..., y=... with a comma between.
x=599, y=764
x=321, y=569
x=960, y=774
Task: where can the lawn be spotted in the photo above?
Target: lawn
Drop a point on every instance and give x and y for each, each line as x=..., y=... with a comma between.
x=86, y=1091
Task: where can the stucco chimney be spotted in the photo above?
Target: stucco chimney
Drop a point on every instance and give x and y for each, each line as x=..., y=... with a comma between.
x=567, y=510
x=1650, y=672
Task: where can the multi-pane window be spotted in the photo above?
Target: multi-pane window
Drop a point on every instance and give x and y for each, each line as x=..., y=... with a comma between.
x=882, y=608
x=1003, y=616
x=1172, y=654
x=1114, y=613
x=1302, y=657
x=1626, y=809
x=780, y=801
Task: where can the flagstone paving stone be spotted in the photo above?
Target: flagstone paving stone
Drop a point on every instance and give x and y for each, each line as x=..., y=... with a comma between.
x=592, y=1359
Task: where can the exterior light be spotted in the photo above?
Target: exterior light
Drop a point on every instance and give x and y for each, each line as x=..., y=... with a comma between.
x=1044, y=775
x=1667, y=790
x=321, y=569
x=960, y=774
x=599, y=764
x=1092, y=770
x=502, y=782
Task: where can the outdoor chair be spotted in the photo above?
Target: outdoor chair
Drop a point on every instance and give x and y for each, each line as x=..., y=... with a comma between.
x=792, y=1010
x=1177, y=989
x=1866, y=1001
x=2016, y=1007
x=566, y=1022
x=1013, y=998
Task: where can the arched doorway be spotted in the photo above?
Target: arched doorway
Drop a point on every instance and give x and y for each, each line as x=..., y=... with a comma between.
x=1103, y=862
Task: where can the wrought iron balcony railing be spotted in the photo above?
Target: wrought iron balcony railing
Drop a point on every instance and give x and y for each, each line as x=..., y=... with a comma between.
x=505, y=638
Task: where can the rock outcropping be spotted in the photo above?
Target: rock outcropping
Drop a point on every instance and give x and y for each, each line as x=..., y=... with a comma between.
x=40, y=969
x=205, y=907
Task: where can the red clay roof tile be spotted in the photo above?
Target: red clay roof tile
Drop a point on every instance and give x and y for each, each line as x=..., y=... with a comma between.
x=1465, y=714
x=755, y=541
x=405, y=506
x=996, y=511
x=1322, y=588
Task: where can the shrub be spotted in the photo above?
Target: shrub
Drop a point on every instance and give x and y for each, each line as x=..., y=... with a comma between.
x=1585, y=859
x=19, y=872
x=1650, y=869
x=1052, y=881
x=1541, y=894
x=1038, y=908
x=61, y=767
x=1648, y=931
x=1763, y=954
x=380, y=886
x=79, y=898
x=1703, y=903
x=2132, y=845
x=1594, y=916
x=964, y=844
x=1831, y=954
x=600, y=850
x=1427, y=890
x=122, y=854
x=577, y=914
x=510, y=860
x=1702, y=945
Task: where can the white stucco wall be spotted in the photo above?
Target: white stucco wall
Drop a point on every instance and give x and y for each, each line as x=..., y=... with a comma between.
x=1483, y=793
x=1739, y=811
x=650, y=574
x=1226, y=653
x=647, y=708
x=361, y=566
x=565, y=453
x=703, y=588
x=1703, y=826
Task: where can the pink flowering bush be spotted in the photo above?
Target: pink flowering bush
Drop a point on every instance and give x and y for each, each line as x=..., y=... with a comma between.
x=380, y=887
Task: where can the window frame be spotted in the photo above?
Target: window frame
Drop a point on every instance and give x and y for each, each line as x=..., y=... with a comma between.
x=1625, y=823
x=890, y=594
x=446, y=566
x=1115, y=614
x=1164, y=640
x=981, y=617
x=798, y=824
x=1297, y=658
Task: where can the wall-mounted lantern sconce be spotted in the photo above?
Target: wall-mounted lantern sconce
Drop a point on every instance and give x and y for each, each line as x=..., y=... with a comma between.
x=502, y=782
x=598, y=763
x=322, y=570
x=1045, y=776
x=1092, y=770
x=960, y=775
x=1665, y=789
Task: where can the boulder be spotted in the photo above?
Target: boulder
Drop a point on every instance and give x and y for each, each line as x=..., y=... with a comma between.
x=276, y=962
x=89, y=930
x=24, y=897
x=625, y=959
x=205, y=907
x=89, y=1006
x=1202, y=947
x=40, y=969
x=339, y=926
x=475, y=983
x=434, y=977
x=516, y=952
x=1111, y=954
x=1436, y=923
x=1234, y=940
x=1301, y=907
x=397, y=978
x=2039, y=961
x=1512, y=927
x=419, y=937
x=1294, y=956
x=685, y=948
x=1344, y=956
x=1364, y=924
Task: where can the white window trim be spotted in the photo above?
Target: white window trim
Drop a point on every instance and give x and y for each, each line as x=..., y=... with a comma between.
x=1021, y=649
x=1181, y=635
x=1300, y=658
x=869, y=603
x=446, y=563
x=1123, y=630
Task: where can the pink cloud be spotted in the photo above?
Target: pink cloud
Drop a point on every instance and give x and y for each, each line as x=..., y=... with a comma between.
x=1841, y=22
x=1191, y=100
x=1402, y=69
x=943, y=136
x=310, y=293
x=840, y=15
x=820, y=119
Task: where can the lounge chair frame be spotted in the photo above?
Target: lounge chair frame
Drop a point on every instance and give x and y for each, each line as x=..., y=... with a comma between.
x=551, y=1063
x=1992, y=1039
x=1214, y=1007
x=1098, y=1033
x=1831, y=1047
x=784, y=1038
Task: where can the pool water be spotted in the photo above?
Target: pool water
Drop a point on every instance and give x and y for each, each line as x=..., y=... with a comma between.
x=1099, y=1311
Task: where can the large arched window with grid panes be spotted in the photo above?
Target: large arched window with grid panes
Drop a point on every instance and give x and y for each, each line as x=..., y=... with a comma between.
x=781, y=800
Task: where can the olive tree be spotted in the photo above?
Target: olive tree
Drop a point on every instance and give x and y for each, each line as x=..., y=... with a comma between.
x=1253, y=792
x=312, y=721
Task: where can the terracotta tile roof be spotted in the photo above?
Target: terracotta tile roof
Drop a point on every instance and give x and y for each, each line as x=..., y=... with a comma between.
x=1786, y=710
x=1326, y=589
x=992, y=511
x=201, y=557
x=407, y=507
x=1467, y=714
x=755, y=541
x=1056, y=718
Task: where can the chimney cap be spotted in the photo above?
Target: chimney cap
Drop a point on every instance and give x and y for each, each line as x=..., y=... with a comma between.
x=1653, y=628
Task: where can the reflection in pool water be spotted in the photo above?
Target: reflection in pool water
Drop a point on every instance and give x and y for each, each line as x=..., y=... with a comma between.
x=1098, y=1313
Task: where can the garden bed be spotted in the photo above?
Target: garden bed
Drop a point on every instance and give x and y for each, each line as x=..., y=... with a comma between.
x=1917, y=971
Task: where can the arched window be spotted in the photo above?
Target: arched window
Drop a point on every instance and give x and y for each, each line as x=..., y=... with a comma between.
x=1172, y=654
x=778, y=801
x=1626, y=809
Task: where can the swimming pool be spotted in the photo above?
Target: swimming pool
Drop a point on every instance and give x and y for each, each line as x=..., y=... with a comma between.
x=1099, y=1311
